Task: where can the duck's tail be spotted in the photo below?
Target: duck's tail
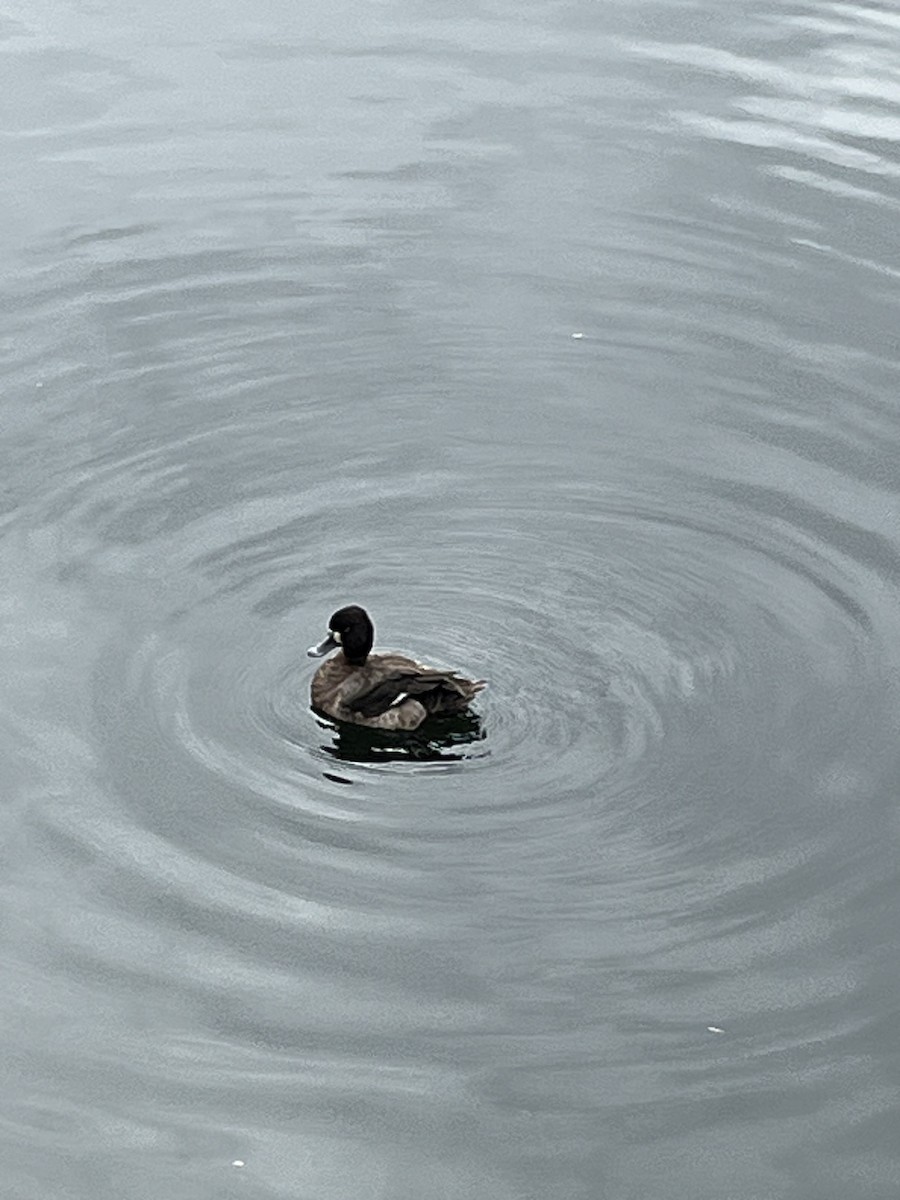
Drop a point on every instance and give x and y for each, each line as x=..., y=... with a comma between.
x=453, y=694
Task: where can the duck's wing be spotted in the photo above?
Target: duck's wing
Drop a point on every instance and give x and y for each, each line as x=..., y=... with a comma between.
x=396, y=685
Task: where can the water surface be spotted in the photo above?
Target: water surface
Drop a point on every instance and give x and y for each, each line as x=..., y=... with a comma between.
x=563, y=337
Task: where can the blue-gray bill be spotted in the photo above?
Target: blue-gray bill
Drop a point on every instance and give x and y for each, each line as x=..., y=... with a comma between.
x=324, y=647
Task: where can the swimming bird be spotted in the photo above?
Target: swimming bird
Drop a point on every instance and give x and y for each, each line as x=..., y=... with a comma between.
x=382, y=691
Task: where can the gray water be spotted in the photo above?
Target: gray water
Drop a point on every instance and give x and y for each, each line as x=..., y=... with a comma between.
x=564, y=337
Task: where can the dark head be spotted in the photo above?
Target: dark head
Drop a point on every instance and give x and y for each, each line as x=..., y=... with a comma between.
x=350, y=630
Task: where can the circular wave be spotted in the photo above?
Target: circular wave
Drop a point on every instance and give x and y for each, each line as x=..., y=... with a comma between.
x=642, y=662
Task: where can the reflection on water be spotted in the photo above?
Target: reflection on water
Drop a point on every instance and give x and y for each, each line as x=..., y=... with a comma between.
x=446, y=739
x=564, y=337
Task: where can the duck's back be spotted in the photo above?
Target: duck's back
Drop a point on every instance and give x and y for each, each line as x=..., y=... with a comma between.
x=389, y=691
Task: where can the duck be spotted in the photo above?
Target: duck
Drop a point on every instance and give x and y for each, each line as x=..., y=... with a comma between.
x=381, y=691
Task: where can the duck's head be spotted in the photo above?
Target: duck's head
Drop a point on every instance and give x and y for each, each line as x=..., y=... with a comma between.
x=351, y=630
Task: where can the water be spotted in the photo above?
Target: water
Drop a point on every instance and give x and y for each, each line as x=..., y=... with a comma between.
x=289, y=312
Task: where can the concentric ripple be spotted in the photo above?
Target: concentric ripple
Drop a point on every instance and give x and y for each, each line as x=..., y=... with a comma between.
x=626, y=645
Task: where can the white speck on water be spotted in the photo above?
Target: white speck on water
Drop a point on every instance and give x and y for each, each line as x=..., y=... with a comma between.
x=577, y=336
x=39, y=384
x=715, y=1029
x=238, y=1162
